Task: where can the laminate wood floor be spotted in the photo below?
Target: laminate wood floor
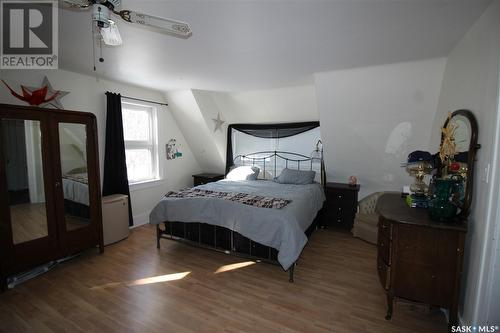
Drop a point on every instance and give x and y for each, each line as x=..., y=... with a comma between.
x=29, y=222
x=133, y=287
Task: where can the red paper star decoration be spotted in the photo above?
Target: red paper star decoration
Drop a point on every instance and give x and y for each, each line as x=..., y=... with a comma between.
x=38, y=96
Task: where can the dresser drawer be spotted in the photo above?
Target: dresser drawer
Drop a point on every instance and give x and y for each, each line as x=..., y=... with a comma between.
x=417, y=245
x=383, y=273
x=416, y=282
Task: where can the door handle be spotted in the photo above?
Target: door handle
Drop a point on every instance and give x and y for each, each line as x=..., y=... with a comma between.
x=57, y=184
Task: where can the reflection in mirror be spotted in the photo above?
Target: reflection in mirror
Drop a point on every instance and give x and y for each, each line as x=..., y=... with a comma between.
x=462, y=134
x=73, y=147
x=457, y=155
x=22, y=148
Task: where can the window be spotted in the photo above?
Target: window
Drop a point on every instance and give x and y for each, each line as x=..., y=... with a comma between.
x=141, y=144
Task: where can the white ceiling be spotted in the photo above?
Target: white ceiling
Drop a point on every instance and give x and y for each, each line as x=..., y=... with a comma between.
x=247, y=45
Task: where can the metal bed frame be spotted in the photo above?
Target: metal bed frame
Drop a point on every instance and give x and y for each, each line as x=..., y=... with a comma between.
x=227, y=241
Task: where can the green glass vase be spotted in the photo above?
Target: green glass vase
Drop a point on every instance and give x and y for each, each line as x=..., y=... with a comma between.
x=441, y=206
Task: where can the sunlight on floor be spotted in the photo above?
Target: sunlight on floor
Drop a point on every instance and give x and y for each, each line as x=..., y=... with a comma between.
x=144, y=281
x=231, y=267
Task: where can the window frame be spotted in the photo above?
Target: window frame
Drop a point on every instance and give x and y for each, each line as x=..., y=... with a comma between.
x=151, y=144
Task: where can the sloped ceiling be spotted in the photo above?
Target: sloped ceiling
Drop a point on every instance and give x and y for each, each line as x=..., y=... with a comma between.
x=244, y=45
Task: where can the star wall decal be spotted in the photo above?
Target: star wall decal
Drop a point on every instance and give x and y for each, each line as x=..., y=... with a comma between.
x=218, y=123
x=56, y=102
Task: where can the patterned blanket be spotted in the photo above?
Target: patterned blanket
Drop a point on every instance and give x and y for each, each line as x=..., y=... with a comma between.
x=243, y=198
x=79, y=177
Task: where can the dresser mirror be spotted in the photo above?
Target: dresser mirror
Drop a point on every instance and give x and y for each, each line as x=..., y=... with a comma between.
x=21, y=144
x=459, y=137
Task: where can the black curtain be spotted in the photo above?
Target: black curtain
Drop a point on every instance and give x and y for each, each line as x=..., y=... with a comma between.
x=115, y=166
x=269, y=131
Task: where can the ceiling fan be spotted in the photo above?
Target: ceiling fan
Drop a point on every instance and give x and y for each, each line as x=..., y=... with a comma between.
x=102, y=10
x=107, y=29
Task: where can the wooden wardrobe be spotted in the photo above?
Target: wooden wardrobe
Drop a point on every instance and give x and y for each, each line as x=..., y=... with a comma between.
x=50, y=196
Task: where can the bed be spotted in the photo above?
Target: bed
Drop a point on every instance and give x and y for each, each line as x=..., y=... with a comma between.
x=76, y=194
x=266, y=233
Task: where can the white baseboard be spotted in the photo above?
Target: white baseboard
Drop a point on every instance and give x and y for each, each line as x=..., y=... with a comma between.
x=140, y=219
x=447, y=315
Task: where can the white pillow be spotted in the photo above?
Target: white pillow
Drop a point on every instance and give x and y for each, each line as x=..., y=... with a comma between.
x=246, y=172
x=265, y=175
x=297, y=177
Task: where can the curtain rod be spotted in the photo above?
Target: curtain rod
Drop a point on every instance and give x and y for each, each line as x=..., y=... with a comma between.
x=144, y=100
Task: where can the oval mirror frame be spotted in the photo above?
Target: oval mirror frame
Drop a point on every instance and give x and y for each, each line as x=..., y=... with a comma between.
x=471, y=157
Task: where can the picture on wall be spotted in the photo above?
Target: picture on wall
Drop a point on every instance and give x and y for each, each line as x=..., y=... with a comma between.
x=173, y=149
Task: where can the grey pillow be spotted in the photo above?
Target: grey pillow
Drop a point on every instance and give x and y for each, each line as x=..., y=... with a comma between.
x=297, y=177
x=245, y=172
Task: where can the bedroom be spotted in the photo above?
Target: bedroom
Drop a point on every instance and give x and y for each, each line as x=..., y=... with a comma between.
x=378, y=77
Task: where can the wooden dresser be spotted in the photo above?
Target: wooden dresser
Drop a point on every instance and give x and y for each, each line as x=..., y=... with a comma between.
x=418, y=259
x=341, y=205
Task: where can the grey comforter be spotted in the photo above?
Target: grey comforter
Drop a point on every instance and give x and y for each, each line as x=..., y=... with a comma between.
x=282, y=229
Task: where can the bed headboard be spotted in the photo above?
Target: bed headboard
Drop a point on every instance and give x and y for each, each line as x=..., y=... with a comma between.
x=273, y=162
x=252, y=142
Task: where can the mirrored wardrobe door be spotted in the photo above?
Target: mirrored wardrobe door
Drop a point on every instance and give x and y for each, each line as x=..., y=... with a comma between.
x=23, y=165
x=74, y=175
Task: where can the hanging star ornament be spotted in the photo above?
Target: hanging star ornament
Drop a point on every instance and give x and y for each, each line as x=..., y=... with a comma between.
x=56, y=101
x=218, y=123
x=32, y=96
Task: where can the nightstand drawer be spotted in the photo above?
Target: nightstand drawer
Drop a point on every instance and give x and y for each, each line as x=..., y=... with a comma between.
x=345, y=221
x=205, y=178
x=341, y=211
x=339, y=198
x=341, y=204
x=201, y=181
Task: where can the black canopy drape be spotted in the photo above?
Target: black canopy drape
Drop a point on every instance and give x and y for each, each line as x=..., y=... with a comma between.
x=115, y=166
x=269, y=131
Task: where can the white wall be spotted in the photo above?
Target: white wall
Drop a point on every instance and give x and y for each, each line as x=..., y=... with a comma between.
x=288, y=104
x=373, y=117
x=87, y=94
x=195, y=109
x=471, y=81
x=196, y=129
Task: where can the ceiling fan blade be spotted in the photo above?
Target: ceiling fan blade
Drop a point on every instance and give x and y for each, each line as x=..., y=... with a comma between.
x=173, y=27
x=110, y=35
x=76, y=3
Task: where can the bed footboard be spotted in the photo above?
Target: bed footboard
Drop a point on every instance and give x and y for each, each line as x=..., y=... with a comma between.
x=224, y=240
x=218, y=239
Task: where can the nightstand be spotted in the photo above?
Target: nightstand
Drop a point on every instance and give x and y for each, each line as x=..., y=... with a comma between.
x=341, y=205
x=205, y=178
